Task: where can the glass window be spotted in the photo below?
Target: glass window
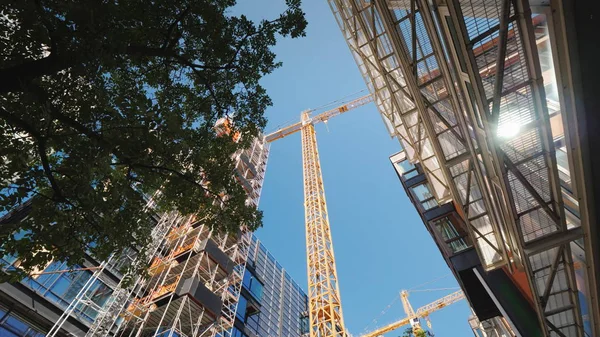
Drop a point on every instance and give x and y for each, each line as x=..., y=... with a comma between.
x=562, y=162
x=7, y=333
x=271, y=257
x=46, y=280
x=424, y=196
x=304, y=327
x=247, y=279
x=62, y=288
x=16, y=325
x=256, y=289
x=69, y=284
x=241, y=308
x=253, y=285
x=100, y=293
x=406, y=169
x=253, y=322
x=9, y=259
x=11, y=325
x=453, y=239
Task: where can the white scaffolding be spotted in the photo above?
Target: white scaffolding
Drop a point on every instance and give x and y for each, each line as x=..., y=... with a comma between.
x=194, y=274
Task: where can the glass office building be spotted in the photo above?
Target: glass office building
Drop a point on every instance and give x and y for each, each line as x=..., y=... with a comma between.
x=32, y=306
x=272, y=303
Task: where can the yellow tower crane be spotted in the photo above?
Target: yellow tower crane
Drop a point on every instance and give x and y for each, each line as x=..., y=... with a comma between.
x=413, y=317
x=324, y=304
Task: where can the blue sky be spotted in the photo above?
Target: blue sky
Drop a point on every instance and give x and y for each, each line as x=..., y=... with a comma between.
x=381, y=245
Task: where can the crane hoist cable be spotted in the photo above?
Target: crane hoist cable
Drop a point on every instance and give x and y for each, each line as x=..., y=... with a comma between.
x=429, y=282
x=433, y=289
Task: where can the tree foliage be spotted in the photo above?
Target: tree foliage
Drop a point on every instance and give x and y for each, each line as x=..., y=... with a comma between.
x=420, y=333
x=98, y=97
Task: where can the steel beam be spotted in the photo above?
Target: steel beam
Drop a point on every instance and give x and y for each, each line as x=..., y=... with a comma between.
x=532, y=188
x=447, y=149
x=575, y=59
x=380, y=67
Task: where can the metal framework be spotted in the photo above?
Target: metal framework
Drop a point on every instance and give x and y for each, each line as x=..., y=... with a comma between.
x=325, y=306
x=156, y=304
x=508, y=187
x=508, y=92
x=492, y=327
x=412, y=316
x=108, y=315
x=83, y=299
x=414, y=92
x=194, y=274
x=324, y=303
x=187, y=258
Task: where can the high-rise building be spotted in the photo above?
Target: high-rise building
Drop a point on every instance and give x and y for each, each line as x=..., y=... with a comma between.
x=488, y=102
x=272, y=304
x=34, y=305
x=197, y=282
x=491, y=294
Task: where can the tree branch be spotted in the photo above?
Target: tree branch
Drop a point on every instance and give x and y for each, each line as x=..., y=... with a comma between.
x=170, y=170
x=47, y=170
x=41, y=146
x=48, y=25
x=17, y=78
x=170, y=54
x=73, y=123
x=174, y=25
x=246, y=37
x=16, y=187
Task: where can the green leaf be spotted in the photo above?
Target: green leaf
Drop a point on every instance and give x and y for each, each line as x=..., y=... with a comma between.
x=98, y=97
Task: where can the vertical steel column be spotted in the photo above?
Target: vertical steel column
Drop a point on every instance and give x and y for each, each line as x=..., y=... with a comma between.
x=378, y=62
x=569, y=71
x=325, y=307
x=495, y=46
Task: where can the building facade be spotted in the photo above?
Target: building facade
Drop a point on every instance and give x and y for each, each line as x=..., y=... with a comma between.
x=271, y=303
x=195, y=279
x=493, y=295
x=37, y=302
x=486, y=99
x=276, y=306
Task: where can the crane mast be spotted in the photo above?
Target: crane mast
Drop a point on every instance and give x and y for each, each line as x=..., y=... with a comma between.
x=324, y=303
x=325, y=307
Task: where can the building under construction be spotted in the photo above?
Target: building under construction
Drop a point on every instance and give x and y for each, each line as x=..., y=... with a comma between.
x=493, y=114
x=195, y=278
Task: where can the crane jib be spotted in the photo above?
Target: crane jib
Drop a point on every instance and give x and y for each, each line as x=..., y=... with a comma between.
x=322, y=117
